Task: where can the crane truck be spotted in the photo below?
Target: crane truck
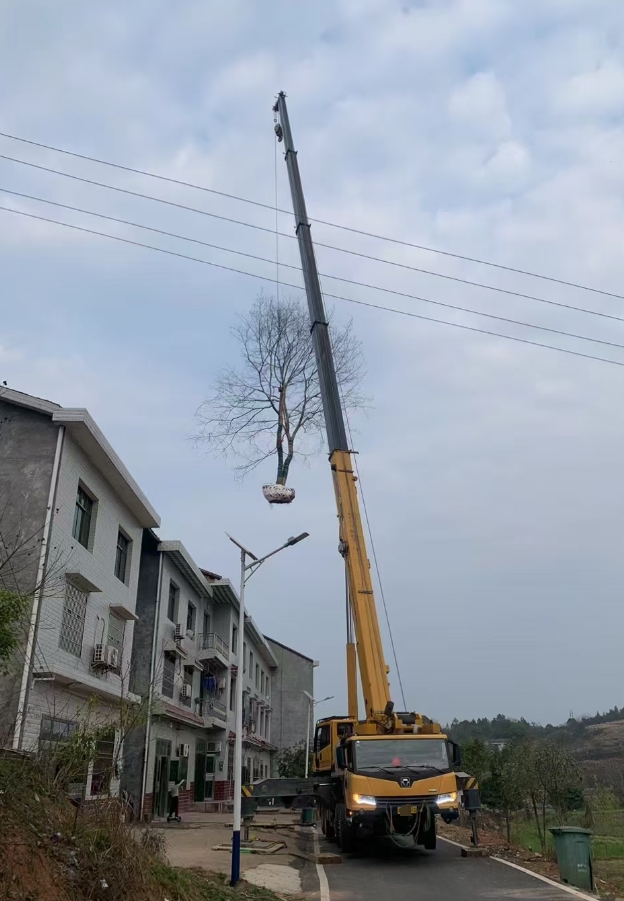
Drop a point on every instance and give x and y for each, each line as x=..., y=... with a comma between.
x=388, y=773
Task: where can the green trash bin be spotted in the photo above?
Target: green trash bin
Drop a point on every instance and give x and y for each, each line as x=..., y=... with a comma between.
x=307, y=816
x=572, y=847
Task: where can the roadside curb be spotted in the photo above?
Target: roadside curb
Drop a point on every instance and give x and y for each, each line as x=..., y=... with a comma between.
x=560, y=885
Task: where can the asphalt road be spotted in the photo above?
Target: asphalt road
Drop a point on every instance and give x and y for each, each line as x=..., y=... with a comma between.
x=433, y=876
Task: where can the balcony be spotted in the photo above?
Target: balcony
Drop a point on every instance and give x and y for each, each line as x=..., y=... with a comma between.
x=211, y=647
x=211, y=709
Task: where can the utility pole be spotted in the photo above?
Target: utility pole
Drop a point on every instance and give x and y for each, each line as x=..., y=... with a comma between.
x=246, y=571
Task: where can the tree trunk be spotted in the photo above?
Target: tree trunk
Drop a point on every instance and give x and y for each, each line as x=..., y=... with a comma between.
x=279, y=438
x=537, y=823
x=544, y=823
x=508, y=825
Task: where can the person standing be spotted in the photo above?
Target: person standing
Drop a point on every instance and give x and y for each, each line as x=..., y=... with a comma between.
x=174, y=804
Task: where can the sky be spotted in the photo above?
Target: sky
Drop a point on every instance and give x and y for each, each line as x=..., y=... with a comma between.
x=492, y=469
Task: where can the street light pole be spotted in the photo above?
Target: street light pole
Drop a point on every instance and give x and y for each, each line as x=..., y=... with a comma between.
x=246, y=571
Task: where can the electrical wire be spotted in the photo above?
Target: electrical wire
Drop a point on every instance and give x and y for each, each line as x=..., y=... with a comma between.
x=328, y=223
x=265, y=278
x=348, y=281
x=271, y=231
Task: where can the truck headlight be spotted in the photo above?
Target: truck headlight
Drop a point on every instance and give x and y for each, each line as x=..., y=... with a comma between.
x=364, y=800
x=450, y=798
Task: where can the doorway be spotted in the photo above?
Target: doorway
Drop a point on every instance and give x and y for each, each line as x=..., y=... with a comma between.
x=200, y=771
x=211, y=765
x=161, y=778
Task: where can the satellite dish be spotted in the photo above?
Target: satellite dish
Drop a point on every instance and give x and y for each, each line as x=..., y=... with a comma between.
x=278, y=494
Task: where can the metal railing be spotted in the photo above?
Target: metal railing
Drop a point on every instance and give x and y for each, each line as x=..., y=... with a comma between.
x=210, y=641
x=212, y=707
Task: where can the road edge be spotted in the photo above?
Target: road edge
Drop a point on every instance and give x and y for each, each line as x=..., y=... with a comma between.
x=320, y=872
x=560, y=885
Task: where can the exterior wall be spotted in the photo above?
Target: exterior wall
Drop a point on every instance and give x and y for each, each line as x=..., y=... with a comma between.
x=47, y=700
x=27, y=449
x=95, y=564
x=158, y=569
x=295, y=674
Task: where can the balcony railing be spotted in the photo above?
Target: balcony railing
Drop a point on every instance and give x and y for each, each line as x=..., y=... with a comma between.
x=210, y=707
x=210, y=641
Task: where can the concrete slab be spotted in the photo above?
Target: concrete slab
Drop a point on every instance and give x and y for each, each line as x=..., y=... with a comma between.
x=277, y=878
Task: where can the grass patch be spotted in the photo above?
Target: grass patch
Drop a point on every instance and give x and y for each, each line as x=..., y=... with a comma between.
x=49, y=854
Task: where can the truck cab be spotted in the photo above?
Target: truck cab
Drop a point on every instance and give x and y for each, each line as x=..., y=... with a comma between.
x=384, y=784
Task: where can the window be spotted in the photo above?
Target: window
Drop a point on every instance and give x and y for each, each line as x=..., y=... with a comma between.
x=172, y=605
x=168, y=675
x=72, y=624
x=103, y=764
x=267, y=686
x=190, y=617
x=206, y=623
x=257, y=676
x=251, y=664
x=244, y=656
x=121, y=557
x=53, y=731
x=233, y=693
x=235, y=640
x=83, y=514
x=116, y=630
x=262, y=681
x=261, y=723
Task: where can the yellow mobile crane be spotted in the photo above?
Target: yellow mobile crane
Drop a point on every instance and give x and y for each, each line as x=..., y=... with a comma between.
x=389, y=773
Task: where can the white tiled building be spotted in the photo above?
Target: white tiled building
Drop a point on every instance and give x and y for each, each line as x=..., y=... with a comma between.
x=125, y=632
x=76, y=664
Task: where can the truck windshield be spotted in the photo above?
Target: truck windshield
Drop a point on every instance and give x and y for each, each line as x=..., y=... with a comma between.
x=401, y=753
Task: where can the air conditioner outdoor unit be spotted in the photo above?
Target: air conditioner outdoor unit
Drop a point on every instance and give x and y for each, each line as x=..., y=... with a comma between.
x=190, y=634
x=186, y=691
x=98, y=655
x=111, y=655
x=183, y=751
x=214, y=747
x=178, y=633
x=221, y=684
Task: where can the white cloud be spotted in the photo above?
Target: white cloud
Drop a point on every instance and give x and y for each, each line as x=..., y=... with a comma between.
x=596, y=92
x=480, y=103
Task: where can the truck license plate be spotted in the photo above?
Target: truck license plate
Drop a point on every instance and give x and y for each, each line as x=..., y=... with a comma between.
x=407, y=810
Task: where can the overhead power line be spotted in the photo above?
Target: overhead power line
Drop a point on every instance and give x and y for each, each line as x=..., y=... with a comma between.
x=274, y=208
x=271, y=231
x=362, y=303
x=348, y=281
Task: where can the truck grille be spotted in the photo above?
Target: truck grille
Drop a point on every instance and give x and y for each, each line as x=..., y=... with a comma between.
x=394, y=801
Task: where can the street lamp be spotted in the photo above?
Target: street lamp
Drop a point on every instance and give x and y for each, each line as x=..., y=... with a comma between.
x=246, y=572
x=311, y=705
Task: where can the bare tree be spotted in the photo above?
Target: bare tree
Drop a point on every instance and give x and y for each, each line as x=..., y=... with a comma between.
x=270, y=404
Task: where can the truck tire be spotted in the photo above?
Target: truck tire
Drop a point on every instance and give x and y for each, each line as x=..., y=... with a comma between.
x=344, y=832
x=427, y=834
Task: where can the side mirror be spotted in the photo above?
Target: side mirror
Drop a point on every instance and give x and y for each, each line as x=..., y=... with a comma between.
x=341, y=757
x=455, y=754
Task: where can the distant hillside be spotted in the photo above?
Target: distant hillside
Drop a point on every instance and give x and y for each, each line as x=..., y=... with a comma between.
x=597, y=741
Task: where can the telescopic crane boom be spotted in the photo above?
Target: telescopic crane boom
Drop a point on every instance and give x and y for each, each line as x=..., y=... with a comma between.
x=378, y=705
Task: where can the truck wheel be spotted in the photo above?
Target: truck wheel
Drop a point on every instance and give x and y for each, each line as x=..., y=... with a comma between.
x=427, y=834
x=344, y=832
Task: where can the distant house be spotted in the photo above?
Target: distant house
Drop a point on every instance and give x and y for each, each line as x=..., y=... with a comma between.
x=498, y=743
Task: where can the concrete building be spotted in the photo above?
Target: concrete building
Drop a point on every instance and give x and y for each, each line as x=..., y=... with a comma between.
x=259, y=666
x=125, y=631
x=290, y=703
x=76, y=516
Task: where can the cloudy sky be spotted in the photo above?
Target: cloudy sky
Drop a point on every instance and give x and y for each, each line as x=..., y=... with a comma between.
x=493, y=470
